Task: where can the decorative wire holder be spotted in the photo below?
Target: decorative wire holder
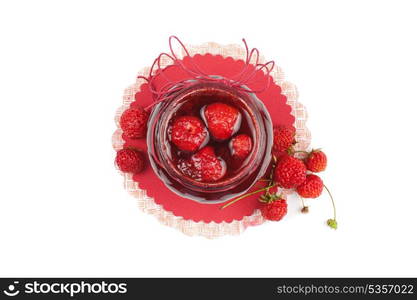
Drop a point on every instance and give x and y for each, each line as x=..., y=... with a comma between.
x=242, y=78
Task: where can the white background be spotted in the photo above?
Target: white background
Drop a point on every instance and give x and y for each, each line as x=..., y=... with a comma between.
x=64, y=66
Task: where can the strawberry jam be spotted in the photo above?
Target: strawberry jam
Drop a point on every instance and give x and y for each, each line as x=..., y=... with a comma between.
x=210, y=142
x=223, y=119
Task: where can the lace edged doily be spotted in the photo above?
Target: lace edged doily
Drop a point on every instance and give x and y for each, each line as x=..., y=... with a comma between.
x=212, y=229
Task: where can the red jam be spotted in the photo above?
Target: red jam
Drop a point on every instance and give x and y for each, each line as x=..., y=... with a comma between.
x=212, y=147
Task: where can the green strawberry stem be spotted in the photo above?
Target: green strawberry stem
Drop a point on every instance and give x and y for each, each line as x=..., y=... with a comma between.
x=247, y=195
x=302, y=201
x=332, y=222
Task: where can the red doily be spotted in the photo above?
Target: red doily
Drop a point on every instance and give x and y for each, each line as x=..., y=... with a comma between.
x=280, y=112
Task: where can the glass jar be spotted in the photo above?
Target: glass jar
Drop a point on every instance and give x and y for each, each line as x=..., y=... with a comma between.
x=161, y=152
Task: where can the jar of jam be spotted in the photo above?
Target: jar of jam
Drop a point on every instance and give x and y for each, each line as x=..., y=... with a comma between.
x=210, y=142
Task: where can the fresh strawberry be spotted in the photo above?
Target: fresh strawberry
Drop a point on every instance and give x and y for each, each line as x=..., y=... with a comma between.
x=289, y=172
x=203, y=166
x=130, y=160
x=222, y=120
x=284, y=138
x=188, y=133
x=311, y=188
x=316, y=161
x=134, y=122
x=274, y=210
x=240, y=146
